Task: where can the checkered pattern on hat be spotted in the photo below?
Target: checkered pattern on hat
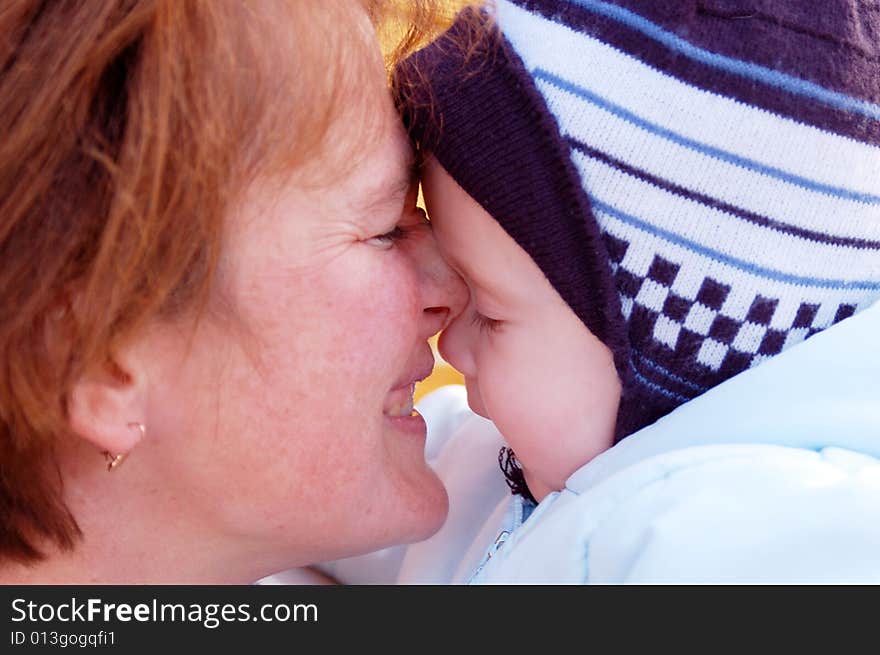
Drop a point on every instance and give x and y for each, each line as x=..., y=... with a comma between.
x=686, y=329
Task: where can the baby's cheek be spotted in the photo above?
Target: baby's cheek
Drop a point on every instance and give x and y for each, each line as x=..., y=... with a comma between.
x=541, y=406
x=522, y=413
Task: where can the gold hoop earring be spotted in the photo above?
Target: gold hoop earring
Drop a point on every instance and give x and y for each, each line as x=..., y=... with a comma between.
x=113, y=461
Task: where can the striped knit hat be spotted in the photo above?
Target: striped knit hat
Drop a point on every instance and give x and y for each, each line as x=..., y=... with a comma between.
x=698, y=179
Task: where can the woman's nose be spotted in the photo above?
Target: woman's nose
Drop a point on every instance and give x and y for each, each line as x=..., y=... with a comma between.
x=444, y=293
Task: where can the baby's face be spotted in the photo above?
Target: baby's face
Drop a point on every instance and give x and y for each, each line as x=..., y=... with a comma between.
x=530, y=365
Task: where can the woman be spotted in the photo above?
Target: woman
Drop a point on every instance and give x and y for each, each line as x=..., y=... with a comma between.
x=217, y=293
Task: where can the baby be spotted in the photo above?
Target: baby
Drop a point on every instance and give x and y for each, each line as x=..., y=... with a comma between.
x=635, y=226
x=542, y=342
x=530, y=364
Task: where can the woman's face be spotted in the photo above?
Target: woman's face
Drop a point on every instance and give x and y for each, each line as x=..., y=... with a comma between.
x=288, y=423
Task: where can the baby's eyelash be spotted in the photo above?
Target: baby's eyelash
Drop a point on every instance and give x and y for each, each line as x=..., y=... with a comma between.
x=484, y=323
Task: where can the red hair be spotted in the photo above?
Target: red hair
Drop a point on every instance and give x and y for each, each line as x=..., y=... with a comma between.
x=129, y=128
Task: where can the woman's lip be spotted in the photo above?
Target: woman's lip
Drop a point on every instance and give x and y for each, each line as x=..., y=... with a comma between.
x=418, y=373
x=398, y=403
x=413, y=424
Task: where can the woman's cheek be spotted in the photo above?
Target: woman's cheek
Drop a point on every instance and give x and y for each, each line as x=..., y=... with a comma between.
x=388, y=296
x=404, y=277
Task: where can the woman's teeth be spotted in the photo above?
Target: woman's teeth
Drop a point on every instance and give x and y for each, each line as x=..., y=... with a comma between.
x=406, y=409
x=402, y=403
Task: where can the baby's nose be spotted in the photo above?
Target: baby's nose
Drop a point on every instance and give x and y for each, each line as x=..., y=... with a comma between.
x=445, y=294
x=454, y=345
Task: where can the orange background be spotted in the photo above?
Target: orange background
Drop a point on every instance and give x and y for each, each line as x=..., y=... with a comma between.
x=443, y=374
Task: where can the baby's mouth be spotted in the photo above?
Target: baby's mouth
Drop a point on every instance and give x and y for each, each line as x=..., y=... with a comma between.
x=475, y=400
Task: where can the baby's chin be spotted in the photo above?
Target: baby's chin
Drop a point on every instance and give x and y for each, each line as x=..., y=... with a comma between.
x=537, y=487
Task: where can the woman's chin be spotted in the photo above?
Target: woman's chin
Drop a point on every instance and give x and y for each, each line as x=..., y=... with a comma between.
x=438, y=509
x=426, y=511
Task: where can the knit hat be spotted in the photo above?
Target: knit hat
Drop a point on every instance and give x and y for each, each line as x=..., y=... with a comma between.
x=468, y=101
x=700, y=185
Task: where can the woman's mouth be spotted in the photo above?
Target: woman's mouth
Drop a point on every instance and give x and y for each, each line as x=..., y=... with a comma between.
x=399, y=401
x=398, y=404
x=399, y=413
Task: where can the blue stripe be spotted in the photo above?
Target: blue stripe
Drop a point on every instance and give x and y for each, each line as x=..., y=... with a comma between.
x=732, y=261
x=659, y=369
x=657, y=387
x=738, y=67
x=723, y=155
x=598, y=156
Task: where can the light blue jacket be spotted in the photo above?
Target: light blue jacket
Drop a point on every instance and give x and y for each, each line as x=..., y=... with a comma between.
x=771, y=477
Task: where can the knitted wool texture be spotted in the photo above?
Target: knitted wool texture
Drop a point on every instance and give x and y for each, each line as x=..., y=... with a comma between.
x=700, y=181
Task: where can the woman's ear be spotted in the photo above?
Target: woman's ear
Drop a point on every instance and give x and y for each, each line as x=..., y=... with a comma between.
x=107, y=406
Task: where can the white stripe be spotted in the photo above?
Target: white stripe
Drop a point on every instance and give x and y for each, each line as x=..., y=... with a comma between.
x=739, y=301
x=825, y=314
x=724, y=232
x=744, y=285
x=696, y=113
x=701, y=173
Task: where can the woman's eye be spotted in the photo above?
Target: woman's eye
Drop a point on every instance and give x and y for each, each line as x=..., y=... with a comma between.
x=484, y=323
x=388, y=239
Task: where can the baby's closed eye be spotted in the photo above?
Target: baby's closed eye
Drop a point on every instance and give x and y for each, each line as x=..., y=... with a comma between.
x=484, y=323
